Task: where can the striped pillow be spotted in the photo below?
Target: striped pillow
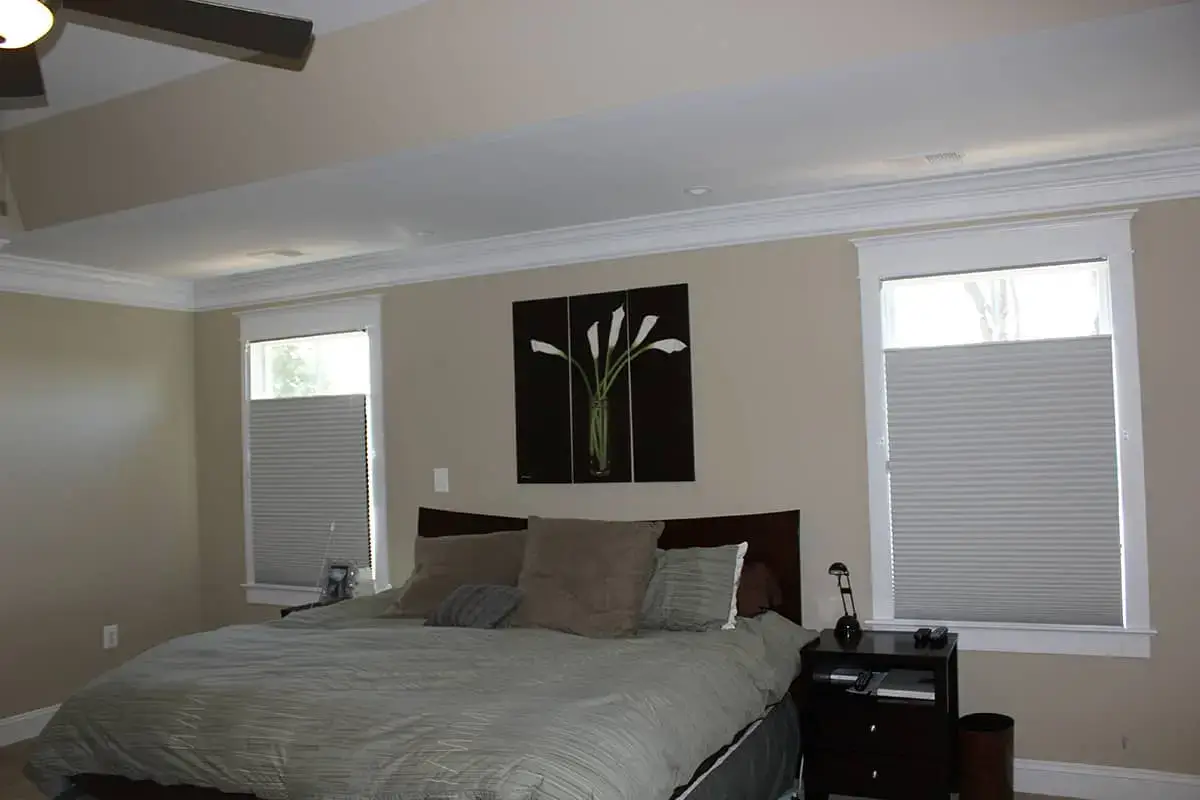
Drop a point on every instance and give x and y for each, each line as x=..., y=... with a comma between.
x=694, y=589
x=476, y=606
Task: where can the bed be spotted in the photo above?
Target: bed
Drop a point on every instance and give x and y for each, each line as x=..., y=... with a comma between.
x=338, y=703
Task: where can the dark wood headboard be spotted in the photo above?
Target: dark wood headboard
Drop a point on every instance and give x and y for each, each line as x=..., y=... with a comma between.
x=772, y=538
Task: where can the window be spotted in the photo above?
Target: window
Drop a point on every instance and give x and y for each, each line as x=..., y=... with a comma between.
x=1004, y=416
x=312, y=448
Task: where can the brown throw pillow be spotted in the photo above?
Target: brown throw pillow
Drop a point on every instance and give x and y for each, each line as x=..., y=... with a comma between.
x=586, y=576
x=758, y=590
x=444, y=563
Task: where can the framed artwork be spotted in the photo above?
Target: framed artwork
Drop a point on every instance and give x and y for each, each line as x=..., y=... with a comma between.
x=340, y=582
x=604, y=387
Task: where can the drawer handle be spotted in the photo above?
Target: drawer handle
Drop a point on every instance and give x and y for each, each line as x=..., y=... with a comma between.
x=874, y=774
x=872, y=729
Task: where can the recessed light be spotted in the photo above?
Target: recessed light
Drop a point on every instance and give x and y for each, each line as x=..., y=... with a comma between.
x=283, y=252
x=698, y=191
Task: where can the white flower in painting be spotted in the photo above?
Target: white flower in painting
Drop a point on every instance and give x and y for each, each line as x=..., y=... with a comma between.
x=547, y=349
x=667, y=345
x=593, y=337
x=614, y=330
x=644, y=331
x=599, y=381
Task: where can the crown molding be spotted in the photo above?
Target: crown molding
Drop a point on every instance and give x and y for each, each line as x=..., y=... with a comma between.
x=1069, y=186
x=1055, y=223
x=74, y=282
x=1074, y=186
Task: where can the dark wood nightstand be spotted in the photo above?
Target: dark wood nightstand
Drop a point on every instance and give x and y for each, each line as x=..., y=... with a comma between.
x=871, y=746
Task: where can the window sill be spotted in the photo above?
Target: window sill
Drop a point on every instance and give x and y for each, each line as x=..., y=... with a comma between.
x=1079, y=640
x=267, y=594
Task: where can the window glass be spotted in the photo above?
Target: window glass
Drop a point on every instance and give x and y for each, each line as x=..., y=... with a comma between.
x=337, y=363
x=1054, y=302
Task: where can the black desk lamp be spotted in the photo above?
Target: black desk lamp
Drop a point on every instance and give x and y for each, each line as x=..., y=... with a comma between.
x=848, y=628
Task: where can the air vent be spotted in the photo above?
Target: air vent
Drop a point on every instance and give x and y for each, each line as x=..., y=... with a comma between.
x=946, y=159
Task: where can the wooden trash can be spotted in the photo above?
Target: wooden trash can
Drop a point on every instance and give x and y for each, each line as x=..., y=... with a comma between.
x=985, y=757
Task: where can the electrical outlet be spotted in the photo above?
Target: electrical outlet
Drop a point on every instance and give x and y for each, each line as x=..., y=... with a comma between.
x=111, y=637
x=441, y=479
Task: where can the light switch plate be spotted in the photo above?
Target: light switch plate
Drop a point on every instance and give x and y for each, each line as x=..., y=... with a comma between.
x=441, y=479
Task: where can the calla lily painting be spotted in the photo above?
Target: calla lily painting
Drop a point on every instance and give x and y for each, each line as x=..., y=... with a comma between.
x=604, y=387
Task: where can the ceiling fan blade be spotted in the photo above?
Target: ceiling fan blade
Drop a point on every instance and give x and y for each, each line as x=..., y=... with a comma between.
x=20, y=73
x=263, y=32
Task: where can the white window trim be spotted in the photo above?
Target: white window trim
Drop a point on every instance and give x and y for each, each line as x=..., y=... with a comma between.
x=269, y=594
x=314, y=319
x=1085, y=237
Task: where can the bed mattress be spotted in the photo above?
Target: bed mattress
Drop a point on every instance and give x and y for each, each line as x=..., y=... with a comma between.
x=331, y=704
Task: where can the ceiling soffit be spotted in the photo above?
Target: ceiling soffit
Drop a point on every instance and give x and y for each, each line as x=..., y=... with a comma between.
x=453, y=69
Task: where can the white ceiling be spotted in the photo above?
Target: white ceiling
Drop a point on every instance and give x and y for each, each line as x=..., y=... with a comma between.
x=83, y=65
x=1116, y=85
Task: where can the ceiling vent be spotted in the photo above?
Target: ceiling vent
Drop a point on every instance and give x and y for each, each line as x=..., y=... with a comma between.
x=947, y=159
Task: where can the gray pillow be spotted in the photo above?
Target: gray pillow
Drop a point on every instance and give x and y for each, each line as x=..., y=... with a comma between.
x=476, y=606
x=694, y=589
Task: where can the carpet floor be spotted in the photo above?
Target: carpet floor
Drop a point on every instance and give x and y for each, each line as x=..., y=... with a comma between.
x=14, y=787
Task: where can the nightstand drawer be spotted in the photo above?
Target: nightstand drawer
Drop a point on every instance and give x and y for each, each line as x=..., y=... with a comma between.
x=860, y=724
x=876, y=776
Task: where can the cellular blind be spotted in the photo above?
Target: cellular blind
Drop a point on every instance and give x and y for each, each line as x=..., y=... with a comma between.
x=308, y=470
x=1003, y=482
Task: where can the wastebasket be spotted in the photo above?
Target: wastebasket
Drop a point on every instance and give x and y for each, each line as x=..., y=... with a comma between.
x=985, y=757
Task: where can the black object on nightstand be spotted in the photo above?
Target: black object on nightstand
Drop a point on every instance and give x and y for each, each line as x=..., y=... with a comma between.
x=283, y=612
x=892, y=737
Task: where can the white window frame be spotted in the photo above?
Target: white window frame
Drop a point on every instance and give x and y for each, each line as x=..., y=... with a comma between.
x=1087, y=237
x=314, y=319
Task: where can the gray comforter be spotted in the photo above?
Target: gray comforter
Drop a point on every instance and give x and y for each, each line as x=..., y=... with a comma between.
x=329, y=704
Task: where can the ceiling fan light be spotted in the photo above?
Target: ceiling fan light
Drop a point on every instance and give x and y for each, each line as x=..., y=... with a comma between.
x=23, y=22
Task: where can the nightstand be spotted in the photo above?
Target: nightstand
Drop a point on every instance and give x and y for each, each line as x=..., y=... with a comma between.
x=866, y=745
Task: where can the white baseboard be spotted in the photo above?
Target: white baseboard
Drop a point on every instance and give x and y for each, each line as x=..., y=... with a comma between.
x=1091, y=782
x=24, y=726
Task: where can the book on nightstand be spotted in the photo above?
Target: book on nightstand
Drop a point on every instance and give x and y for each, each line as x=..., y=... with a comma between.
x=907, y=684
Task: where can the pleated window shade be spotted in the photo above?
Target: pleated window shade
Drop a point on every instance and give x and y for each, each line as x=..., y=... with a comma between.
x=1003, y=482
x=308, y=471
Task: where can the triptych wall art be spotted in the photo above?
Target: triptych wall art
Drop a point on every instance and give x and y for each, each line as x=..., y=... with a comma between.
x=604, y=387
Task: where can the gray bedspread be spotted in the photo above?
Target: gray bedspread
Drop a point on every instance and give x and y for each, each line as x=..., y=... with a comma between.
x=330, y=705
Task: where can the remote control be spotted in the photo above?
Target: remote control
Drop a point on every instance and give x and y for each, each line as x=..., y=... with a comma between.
x=921, y=637
x=939, y=636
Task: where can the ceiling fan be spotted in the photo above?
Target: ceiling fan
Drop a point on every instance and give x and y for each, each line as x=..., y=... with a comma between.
x=24, y=22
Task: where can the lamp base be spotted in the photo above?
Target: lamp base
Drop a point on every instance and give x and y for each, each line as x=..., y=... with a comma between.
x=848, y=630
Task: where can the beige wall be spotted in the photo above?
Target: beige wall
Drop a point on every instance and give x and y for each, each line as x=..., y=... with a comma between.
x=97, y=490
x=779, y=424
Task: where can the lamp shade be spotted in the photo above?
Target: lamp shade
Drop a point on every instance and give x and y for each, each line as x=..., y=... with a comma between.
x=23, y=22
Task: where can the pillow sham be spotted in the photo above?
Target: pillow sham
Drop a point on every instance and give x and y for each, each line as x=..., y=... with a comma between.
x=444, y=563
x=758, y=590
x=586, y=577
x=694, y=589
x=476, y=606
